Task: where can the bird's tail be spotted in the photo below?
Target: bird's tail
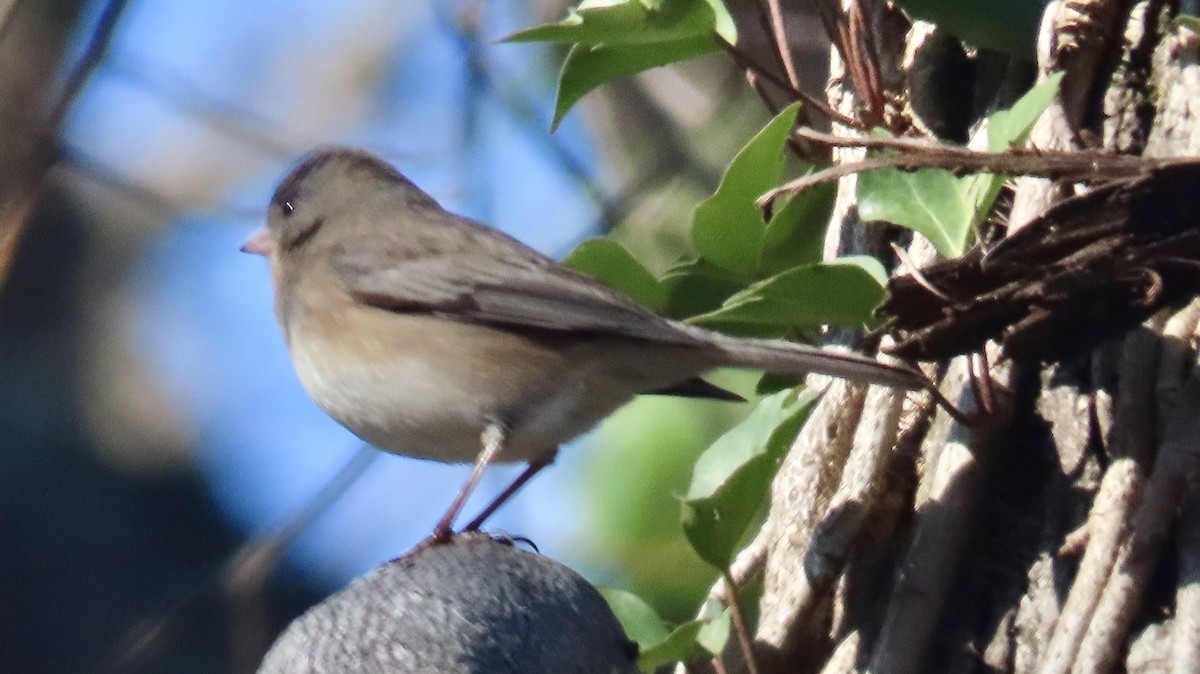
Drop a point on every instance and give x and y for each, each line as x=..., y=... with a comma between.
x=790, y=358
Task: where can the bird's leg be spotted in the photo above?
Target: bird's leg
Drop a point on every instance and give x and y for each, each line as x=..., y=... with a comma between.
x=492, y=440
x=526, y=475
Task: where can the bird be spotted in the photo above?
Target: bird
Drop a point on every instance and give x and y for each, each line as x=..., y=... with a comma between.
x=431, y=335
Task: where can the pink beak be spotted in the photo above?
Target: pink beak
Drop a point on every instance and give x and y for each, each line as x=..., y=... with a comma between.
x=259, y=243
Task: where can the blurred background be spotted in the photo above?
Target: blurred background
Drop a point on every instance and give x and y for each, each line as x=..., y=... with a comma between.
x=169, y=496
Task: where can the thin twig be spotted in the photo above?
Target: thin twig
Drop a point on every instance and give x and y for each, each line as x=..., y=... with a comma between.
x=739, y=623
x=176, y=90
x=755, y=71
x=753, y=79
x=746, y=61
x=522, y=111
x=94, y=53
x=916, y=274
x=863, y=62
x=779, y=37
x=748, y=563
x=1074, y=166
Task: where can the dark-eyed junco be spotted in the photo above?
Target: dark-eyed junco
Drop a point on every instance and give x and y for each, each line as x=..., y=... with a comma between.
x=434, y=336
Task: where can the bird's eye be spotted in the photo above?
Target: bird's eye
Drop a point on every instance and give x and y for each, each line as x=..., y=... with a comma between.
x=288, y=208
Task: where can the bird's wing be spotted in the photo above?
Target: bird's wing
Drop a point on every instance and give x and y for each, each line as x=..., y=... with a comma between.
x=499, y=283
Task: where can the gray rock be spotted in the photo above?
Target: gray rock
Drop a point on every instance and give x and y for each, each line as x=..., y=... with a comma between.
x=471, y=605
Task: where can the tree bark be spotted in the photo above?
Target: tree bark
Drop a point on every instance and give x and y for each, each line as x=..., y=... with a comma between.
x=1061, y=535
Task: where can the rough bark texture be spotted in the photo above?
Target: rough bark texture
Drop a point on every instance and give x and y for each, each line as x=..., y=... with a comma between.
x=1060, y=535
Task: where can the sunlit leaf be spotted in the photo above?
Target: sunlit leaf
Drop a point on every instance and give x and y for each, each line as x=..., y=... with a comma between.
x=845, y=292
x=936, y=203
x=728, y=227
x=1007, y=129
x=930, y=201
x=638, y=618
x=616, y=38
x=679, y=645
x=609, y=262
x=623, y=22
x=587, y=67
x=713, y=636
x=731, y=479
x=723, y=21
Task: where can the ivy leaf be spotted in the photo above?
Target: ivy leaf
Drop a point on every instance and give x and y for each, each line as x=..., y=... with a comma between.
x=942, y=207
x=713, y=636
x=731, y=479
x=616, y=22
x=796, y=233
x=698, y=286
x=930, y=201
x=845, y=291
x=588, y=66
x=638, y=618
x=728, y=227
x=616, y=38
x=723, y=22
x=610, y=263
x=1007, y=129
x=657, y=645
x=680, y=645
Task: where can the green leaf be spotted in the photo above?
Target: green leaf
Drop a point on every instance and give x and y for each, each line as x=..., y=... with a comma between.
x=638, y=618
x=723, y=22
x=697, y=287
x=731, y=479
x=610, y=263
x=659, y=645
x=624, y=22
x=796, y=233
x=1188, y=21
x=728, y=227
x=615, y=38
x=713, y=636
x=679, y=645
x=1009, y=26
x=930, y=201
x=588, y=66
x=1007, y=129
x=773, y=383
x=942, y=207
x=840, y=292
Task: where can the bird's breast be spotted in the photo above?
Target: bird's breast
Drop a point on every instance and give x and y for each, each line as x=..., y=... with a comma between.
x=425, y=386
